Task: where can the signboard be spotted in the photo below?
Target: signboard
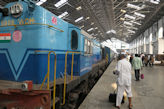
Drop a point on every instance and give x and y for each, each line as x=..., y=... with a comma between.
x=5, y=37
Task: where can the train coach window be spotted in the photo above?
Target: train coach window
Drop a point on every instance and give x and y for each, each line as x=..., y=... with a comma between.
x=88, y=45
x=85, y=45
x=74, y=40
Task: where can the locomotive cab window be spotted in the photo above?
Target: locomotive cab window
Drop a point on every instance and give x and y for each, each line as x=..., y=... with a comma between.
x=74, y=40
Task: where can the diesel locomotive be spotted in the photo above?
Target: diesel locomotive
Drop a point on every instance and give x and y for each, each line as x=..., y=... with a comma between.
x=44, y=58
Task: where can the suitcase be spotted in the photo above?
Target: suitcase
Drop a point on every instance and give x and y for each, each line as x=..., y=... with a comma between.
x=112, y=98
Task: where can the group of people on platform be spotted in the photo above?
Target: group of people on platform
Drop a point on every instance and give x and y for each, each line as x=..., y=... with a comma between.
x=124, y=68
x=147, y=59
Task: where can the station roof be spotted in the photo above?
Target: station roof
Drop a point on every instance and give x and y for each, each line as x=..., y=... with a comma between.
x=104, y=19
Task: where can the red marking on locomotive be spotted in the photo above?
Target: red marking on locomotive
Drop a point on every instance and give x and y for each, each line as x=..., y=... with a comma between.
x=54, y=20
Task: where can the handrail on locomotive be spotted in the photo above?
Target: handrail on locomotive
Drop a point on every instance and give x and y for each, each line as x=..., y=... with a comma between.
x=48, y=76
x=65, y=74
x=65, y=78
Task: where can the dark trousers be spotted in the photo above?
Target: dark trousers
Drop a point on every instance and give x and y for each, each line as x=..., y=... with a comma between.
x=137, y=74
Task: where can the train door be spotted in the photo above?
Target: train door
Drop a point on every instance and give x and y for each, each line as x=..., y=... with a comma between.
x=74, y=39
x=74, y=46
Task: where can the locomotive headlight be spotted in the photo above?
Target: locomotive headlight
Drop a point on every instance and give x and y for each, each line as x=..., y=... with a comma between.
x=16, y=10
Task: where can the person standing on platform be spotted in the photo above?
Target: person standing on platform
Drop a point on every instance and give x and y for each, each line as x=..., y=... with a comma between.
x=146, y=60
x=128, y=57
x=142, y=57
x=123, y=69
x=151, y=61
x=131, y=58
x=137, y=65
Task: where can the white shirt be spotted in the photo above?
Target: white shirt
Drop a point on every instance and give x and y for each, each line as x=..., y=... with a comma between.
x=128, y=57
x=124, y=76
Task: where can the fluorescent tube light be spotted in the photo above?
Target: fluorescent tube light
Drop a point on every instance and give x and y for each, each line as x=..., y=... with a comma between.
x=135, y=22
x=123, y=11
x=134, y=28
x=92, y=23
x=130, y=17
x=40, y=2
x=155, y=1
x=90, y=29
x=96, y=28
x=131, y=31
x=108, y=32
x=82, y=26
x=122, y=19
x=139, y=14
x=111, y=31
x=63, y=15
x=128, y=23
x=87, y=18
x=80, y=18
x=78, y=8
x=61, y=3
x=133, y=6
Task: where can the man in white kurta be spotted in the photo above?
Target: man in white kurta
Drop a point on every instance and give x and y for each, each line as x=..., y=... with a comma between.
x=124, y=80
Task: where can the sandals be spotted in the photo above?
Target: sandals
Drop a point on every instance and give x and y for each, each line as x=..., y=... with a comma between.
x=130, y=106
x=117, y=107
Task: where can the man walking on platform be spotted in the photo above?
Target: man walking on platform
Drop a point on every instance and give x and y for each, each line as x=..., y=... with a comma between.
x=137, y=65
x=123, y=70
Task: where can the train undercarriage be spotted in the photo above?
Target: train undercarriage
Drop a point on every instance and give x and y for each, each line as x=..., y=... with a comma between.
x=25, y=95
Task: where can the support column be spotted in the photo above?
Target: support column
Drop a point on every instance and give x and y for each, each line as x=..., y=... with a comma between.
x=144, y=47
x=150, y=48
x=160, y=36
x=160, y=46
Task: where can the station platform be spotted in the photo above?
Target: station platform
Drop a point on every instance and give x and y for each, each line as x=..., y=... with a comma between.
x=147, y=93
